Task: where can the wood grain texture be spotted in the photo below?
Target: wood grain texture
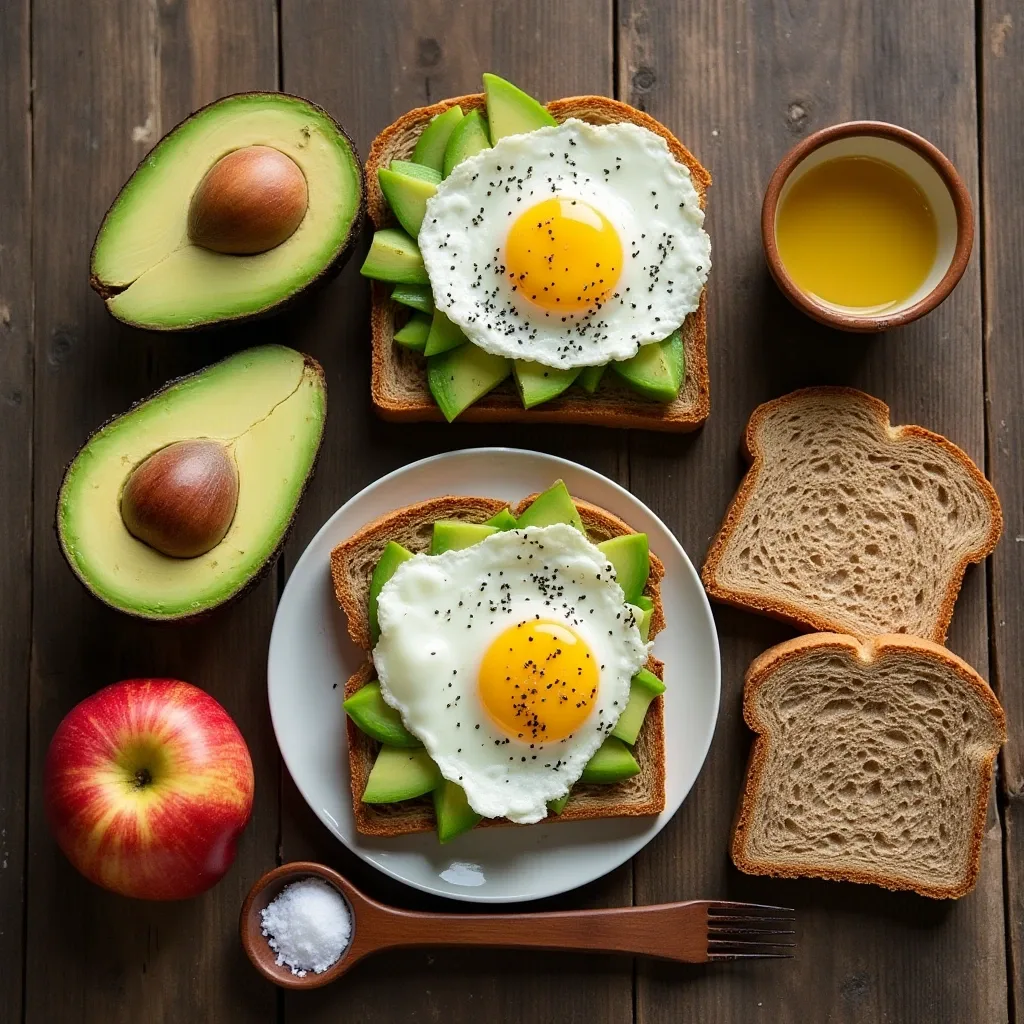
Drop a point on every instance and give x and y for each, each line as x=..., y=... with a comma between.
x=109, y=80
x=1001, y=53
x=367, y=68
x=15, y=485
x=739, y=84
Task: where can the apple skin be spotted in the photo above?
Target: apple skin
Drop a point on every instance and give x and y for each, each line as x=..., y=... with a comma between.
x=148, y=784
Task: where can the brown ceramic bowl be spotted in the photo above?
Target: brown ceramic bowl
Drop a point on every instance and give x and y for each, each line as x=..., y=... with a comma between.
x=256, y=946
x=934, y=175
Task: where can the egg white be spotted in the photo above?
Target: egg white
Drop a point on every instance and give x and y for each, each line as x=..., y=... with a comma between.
x=438, y=615
x=627, y=173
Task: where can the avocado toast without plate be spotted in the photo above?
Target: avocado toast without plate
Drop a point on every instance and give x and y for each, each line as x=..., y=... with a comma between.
x=352, y=565
x=399, y=385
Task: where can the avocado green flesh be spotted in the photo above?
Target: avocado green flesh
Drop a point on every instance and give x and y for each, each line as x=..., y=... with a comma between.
x=452, y=811
x=657, y=370
x=415, y=333
x=643, y=688
x=394, y=256
x=400, y=774
x=390, y=559
x=590, y=377
x=375, y=717
x=510, y=111
x=552, y=506
x=433, y=140
x=460, y=376
x=407, y=197
x=468, y=138
x=504, y=520
x=631, y=560
x=268, y=407
x=612, y=762
x=413, y=170
x=444, y=335
x=538, y=383
x=415, y=296
x=557, y=806
x=162, y=279
x=453, y=535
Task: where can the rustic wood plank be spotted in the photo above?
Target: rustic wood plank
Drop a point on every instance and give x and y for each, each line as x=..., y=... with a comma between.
x=15, y=485
x=368, y=68
x=741, y=83
x=109, y=80
x=1001, y=50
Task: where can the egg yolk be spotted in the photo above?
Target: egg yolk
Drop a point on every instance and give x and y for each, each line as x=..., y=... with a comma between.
x=563, y=255
x=538, y=681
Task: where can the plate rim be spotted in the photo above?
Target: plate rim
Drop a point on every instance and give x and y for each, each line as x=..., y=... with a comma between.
x=660, y=821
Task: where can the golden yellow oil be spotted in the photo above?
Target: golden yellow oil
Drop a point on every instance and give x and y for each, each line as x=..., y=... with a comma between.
x=857, y=232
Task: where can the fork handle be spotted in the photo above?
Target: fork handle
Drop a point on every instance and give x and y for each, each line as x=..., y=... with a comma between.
x=671, y=931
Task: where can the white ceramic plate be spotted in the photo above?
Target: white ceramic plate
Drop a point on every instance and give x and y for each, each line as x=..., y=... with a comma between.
x=310, y=652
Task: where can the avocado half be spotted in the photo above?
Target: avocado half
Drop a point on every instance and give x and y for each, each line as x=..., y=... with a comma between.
x=267, y=406
x=152, y=275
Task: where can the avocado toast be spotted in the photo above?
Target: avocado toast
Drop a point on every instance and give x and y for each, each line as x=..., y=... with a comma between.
x=355, y=564
x=419, y=372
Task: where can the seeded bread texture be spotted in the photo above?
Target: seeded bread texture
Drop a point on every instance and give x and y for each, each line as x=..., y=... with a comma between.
x=398, y=378
x=873, y=763
x=352, y=564
x=846, y=523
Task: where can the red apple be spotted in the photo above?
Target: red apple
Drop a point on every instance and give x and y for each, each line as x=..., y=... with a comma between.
x=148, y=785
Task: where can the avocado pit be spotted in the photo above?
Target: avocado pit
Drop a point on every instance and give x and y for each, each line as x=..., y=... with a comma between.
x=249, y=202
x=181, y=499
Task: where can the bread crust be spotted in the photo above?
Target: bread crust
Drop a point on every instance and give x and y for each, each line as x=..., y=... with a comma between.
x=807, y=618
x=616, y=405
x=364, y=546
x=763, y=667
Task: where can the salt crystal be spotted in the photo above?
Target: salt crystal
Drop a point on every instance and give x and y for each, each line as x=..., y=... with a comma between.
x=308, y=925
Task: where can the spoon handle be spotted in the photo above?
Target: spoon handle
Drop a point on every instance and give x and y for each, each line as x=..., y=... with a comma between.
x=673, y=931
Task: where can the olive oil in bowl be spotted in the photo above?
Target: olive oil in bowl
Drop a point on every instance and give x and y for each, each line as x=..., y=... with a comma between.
x=857, y=233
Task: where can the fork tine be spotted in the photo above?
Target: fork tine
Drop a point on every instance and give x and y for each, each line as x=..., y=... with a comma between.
x=747, y=919
x=750, y=956
x=718, y=932
x=717, y=906
x=717, y=942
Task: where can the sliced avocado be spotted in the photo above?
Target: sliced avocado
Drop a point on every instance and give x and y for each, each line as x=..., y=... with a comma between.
x=407, y=196
x=643, y=688
x=643, y=611
x=557, y=806
x=267, y=407
x=413, y=170
x=390, y=559
x=504, y=520
x=444, y=335
x=452, y=811
x=394, y=256
x=454, y=535
x=379, y=720
x=458, y=377
x=552, y=506
x=657, y=370
x=153, y=275
x=468, y=138
x=433, y=140
x=510, y=111
x=538, y=383
x=612, y=762
x=590, y=377
x=414, y=334
x=416, y=296
x=631, y=561
x=400, y=774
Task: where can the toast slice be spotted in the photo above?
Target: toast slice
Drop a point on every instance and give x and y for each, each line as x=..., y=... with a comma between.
x=352, y=564
x=398, y=384
x=848, y=524
x=873, y=763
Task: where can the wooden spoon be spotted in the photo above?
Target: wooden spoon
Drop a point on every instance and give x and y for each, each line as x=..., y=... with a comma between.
x=692, y=932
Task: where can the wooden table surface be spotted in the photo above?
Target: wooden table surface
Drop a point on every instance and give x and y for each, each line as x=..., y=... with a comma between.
x=89, y=86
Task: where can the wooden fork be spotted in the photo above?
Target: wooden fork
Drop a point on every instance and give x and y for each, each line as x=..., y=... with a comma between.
x=697, y=932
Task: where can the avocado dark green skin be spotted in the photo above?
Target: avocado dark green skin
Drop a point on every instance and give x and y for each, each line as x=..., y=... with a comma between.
x=258, y=576
x=331, y=270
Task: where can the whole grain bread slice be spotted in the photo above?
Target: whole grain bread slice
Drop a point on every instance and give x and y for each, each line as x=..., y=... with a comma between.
x=352, y=564
x=873, y=763
x=398, y=377
x=846, y=523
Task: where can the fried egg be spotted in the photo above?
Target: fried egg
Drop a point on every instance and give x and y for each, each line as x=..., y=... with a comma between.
x=511, y=662
x=570, y=246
